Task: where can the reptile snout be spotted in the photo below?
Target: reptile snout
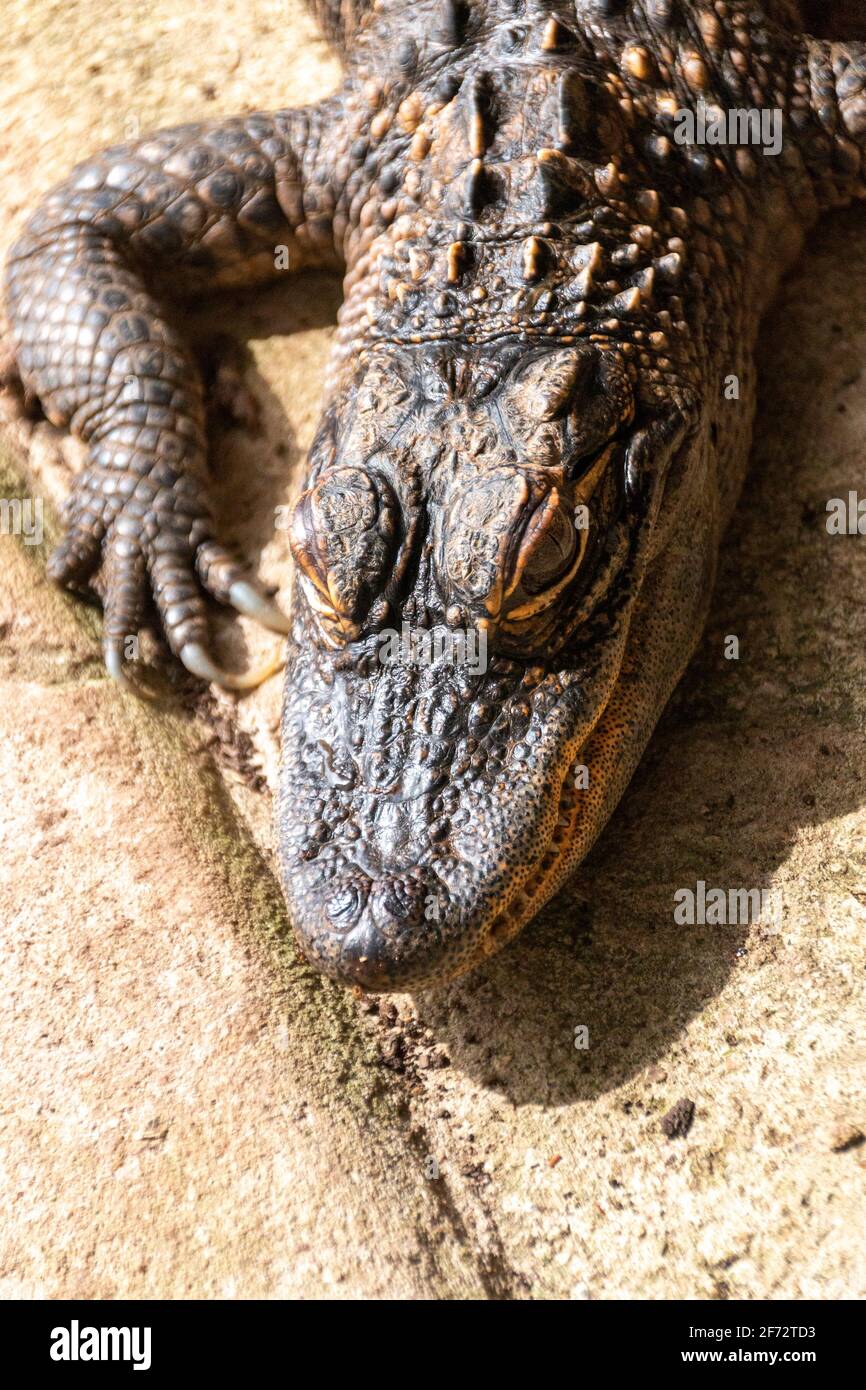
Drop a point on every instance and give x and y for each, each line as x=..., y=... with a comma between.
x=378, y=933
x=380, y=952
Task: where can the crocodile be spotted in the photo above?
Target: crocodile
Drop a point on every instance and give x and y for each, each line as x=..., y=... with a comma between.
x=560, y=225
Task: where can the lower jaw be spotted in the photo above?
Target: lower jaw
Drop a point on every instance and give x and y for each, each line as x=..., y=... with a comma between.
x=543, y=882
x=579, y=820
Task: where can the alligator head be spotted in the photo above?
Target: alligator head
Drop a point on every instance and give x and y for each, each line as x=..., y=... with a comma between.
x=462, y=704
x=506, y=546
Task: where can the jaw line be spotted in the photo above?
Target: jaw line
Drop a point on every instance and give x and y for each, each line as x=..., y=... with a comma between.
x=553, y=864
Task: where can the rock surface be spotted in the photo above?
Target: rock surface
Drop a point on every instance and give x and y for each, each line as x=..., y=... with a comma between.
x=186, y=1110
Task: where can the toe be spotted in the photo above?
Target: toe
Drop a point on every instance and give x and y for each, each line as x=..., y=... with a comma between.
x=78, y=555
x=125, y=598
x=177, y=594
x=229, y=582
x=197, y=660
x=182, y=606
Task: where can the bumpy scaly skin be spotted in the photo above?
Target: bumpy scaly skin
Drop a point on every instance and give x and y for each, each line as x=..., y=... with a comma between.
x=525, y=433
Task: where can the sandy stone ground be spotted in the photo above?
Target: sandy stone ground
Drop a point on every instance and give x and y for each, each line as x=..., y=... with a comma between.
x=186, y=1109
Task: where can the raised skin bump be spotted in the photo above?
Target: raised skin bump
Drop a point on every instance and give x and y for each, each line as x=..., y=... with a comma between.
x=523, y=438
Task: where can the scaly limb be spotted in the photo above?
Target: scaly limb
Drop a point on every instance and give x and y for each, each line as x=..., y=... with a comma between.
x=88, y=286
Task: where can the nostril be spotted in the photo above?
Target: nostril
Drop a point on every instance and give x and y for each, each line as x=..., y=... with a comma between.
x=398, y=900
x=346, y=903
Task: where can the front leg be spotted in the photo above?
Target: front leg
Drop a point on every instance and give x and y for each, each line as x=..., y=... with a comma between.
x=88, y=287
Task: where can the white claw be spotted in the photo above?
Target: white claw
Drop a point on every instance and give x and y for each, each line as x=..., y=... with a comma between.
x=246, y=598
x=197, y=661
x=115, y=666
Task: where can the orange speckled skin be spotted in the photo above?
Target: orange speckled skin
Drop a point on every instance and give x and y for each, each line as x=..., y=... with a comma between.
x=527, y=431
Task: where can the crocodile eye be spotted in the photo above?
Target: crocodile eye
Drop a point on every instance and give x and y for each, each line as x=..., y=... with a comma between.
x=509, y=546
x=547, y=549
x=342, y=538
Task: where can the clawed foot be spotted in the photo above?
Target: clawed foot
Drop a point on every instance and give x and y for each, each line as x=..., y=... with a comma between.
x=157, y=545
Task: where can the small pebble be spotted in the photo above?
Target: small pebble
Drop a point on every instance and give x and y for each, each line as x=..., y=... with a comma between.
x=678, y=1121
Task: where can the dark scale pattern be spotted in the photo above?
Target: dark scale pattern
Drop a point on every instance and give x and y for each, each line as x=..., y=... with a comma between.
x=525, y=435
x=164, y=217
